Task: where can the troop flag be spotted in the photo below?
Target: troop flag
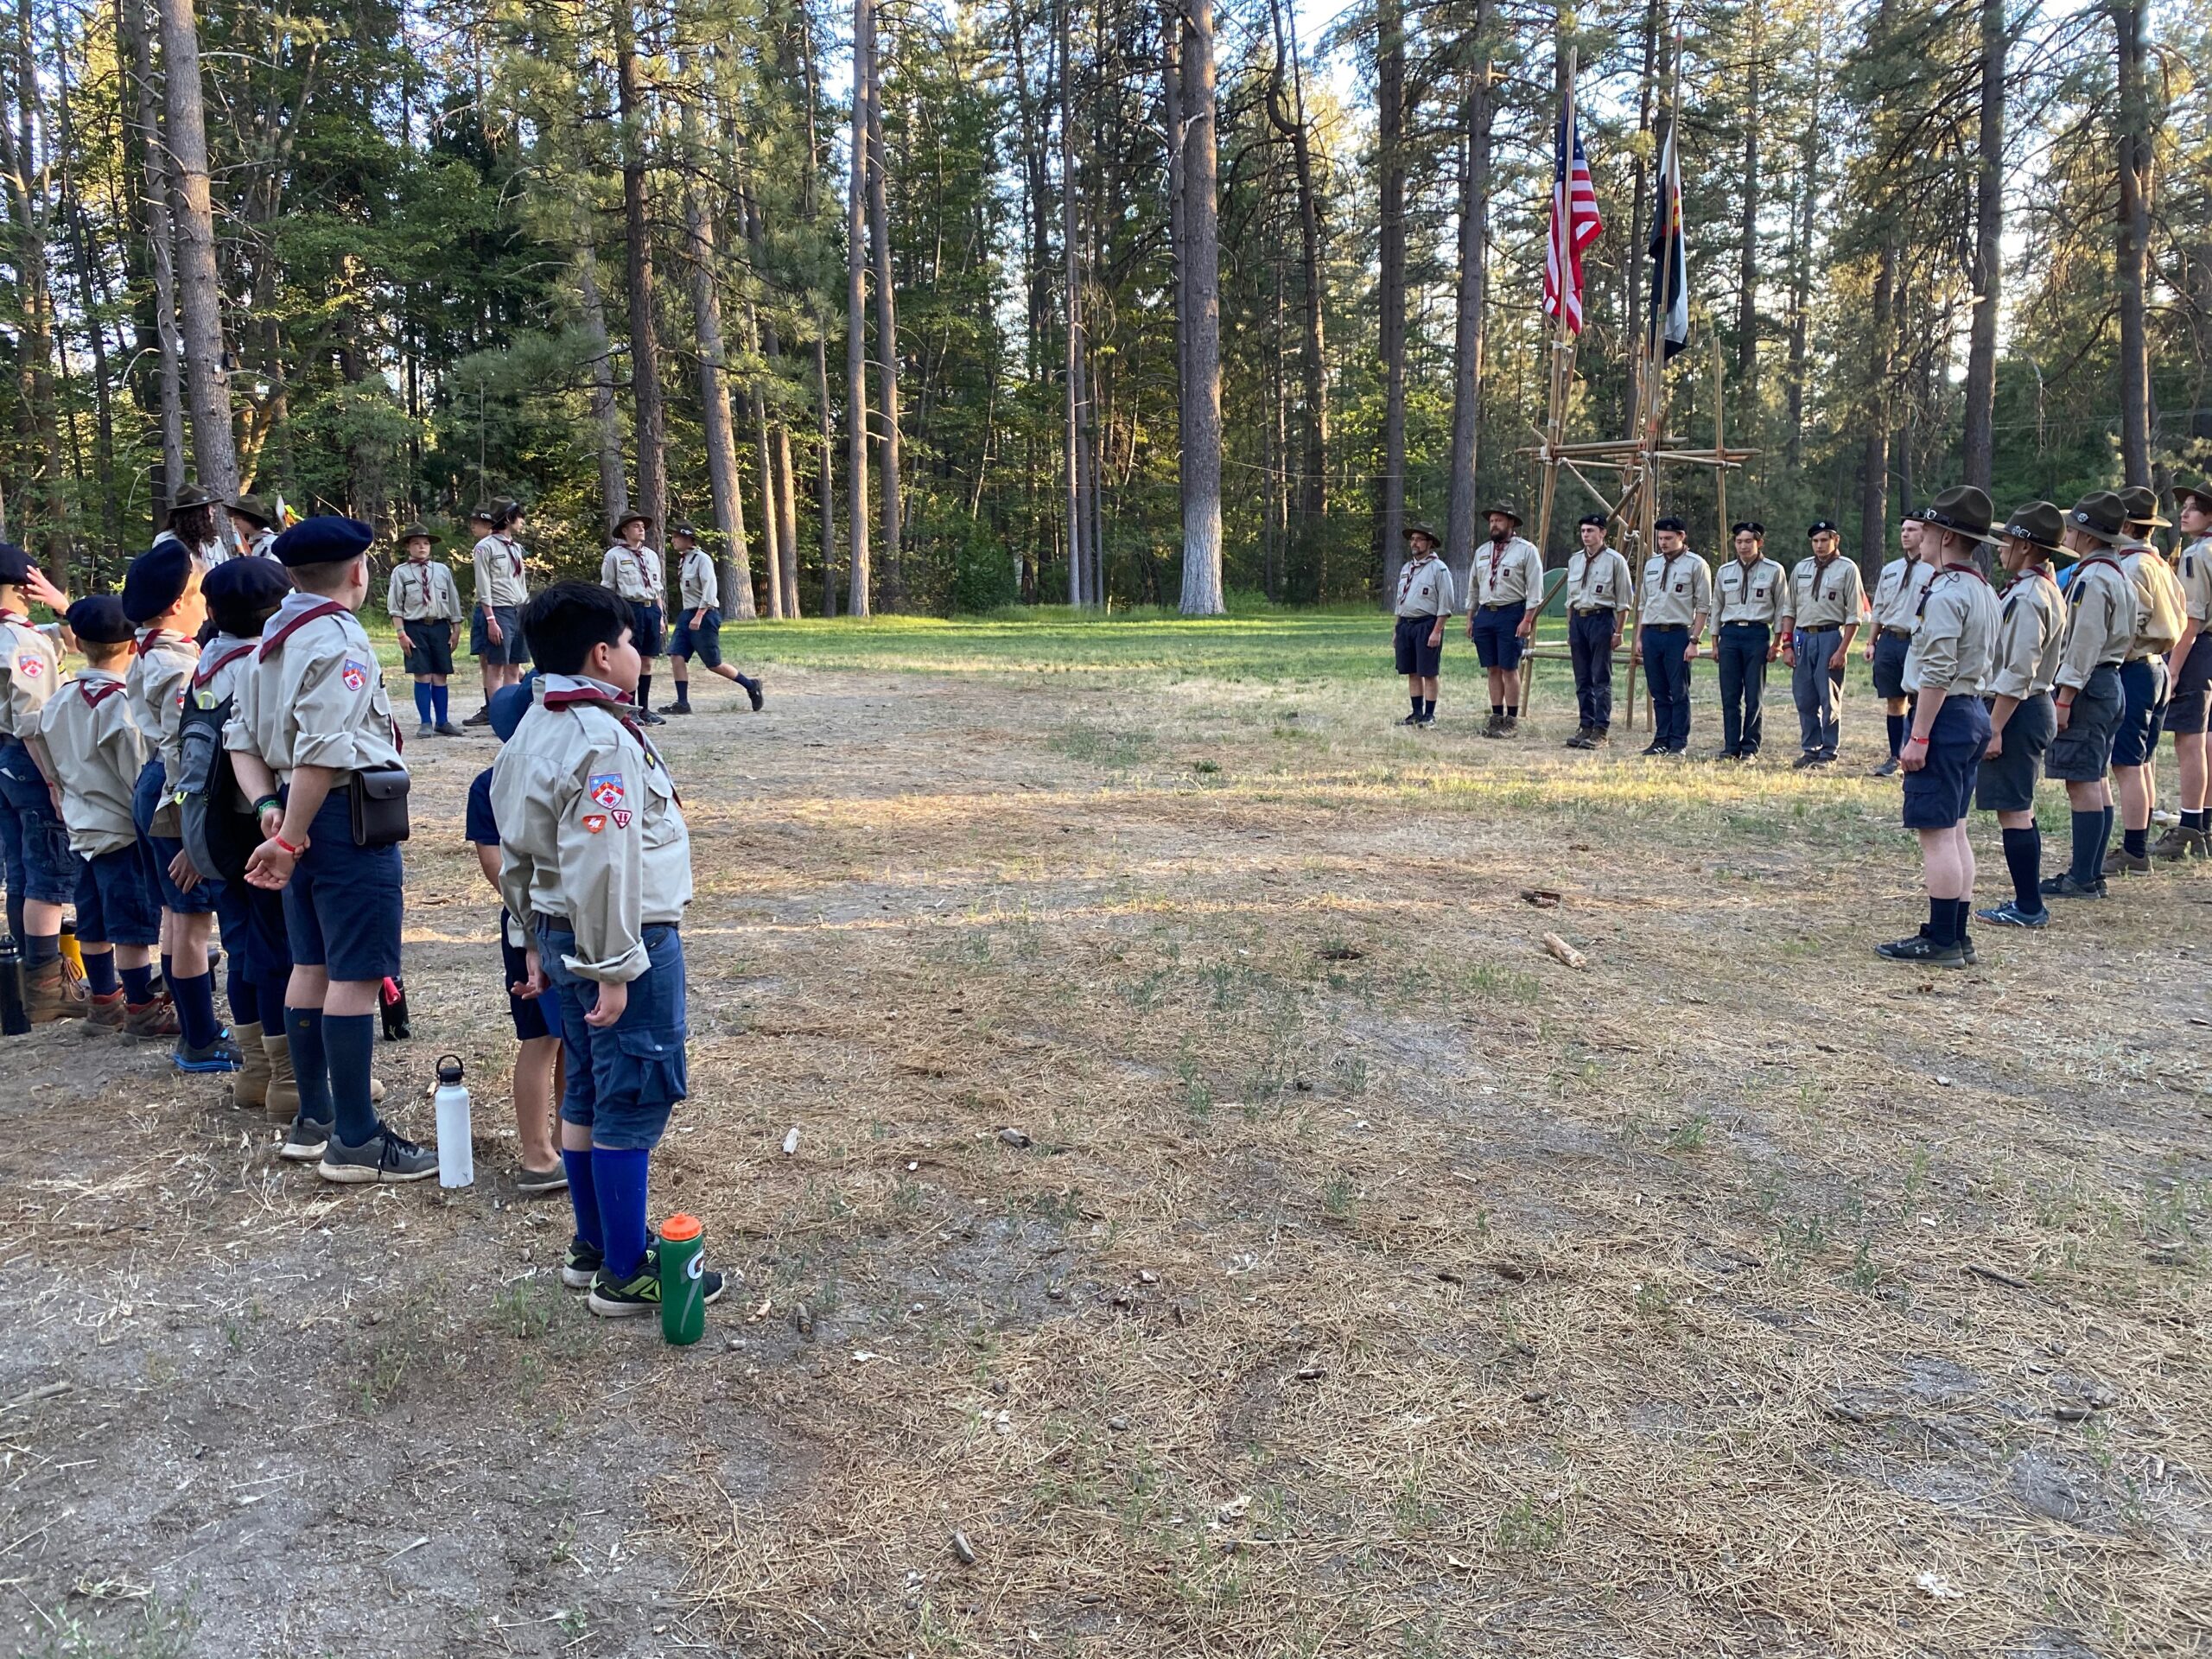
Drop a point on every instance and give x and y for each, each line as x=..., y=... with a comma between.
x=1670, y=289
x=1575, y=223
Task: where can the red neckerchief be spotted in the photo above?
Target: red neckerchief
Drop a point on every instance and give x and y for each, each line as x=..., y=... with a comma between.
x=15, y=616
x=1406, y=580
x=208, y=670
x=1820, y=573
x=1943, y=571
x=623, y=709
x=96, y=694
x=644, y=574
x=153, y=636
x=328, y=607
x=422, y=570
x=513, y=552
x=1497, y=552
x=2105, y=559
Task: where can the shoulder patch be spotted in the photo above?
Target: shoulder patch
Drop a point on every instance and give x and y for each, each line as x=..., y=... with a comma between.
x=355, y=674
x=608, y=789
x=621, y=817
x=29, y=664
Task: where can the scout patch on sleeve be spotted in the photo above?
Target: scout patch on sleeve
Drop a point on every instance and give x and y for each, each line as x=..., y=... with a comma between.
x=355, y=674
x=608, y=790
x=29, y=666
x=622, y=819
x=594, y=823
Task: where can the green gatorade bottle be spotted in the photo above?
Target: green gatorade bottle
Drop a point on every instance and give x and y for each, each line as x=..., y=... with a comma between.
x=682, y=1297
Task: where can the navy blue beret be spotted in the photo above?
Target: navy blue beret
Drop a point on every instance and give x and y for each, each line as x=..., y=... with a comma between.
x=245, y=584
x=324, y=540
x=1818, y=527
x=99, y=621
x=15, y=565
x=155, y=580
x=1671, y=524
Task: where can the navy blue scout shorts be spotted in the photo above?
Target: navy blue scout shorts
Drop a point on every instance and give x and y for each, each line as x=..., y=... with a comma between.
x=1415, y=654
x=2081, y=753
x=623, y=1081
x=2007, y=783
x=1889, y=652
x=511, y=648
x=1496, y=644
x=342, y=904
x=115, y=903
x=2188, y=705
x=533, y=1016
x=430, y=647
x=2143, y=710
x=34, y=841
x=704, y=642
x=647, y=631
x=1937, y=796
x=160, y=851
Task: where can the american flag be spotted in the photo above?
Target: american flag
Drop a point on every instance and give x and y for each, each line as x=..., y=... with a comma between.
x=1575, y=226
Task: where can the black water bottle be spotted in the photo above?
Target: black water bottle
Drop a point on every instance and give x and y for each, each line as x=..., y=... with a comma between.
x=14, y=1018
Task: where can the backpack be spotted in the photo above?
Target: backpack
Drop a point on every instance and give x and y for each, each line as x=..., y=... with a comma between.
x=2165, y=607
x=219, y=836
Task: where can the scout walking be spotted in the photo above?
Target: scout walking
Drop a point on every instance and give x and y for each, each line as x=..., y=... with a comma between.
x=1950, y=726
x=1424, y=602
x=2190, y=670
x=1677, y=593
x=2086, y=697
x=635, y=571
x=1599, y=591
x=2144, y=684
x=495, y=620
x=699, y=623
x=1752, y=597
x=2030, y=630
x=424, y=604
x=42, y=872
x=1896, y=614
x=1826, y=597
x=1505, y=580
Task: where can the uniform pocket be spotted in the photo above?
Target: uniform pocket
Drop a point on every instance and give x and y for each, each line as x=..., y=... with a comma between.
x=653, y=1071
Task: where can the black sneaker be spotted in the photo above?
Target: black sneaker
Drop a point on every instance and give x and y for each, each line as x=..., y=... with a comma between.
x=1887, y=769
x=306, y=1141
x=1922, y=951
x=536, y=1183
x=640, y=1292
x=1414, y=719
x=1425, y=722
x=647, y=717
x=677, y=709
x=2063, y=886
x=754, y=692
x=1811, y=758
x=221, y=1055
x=387, y=1157
x=1655, y=748
x=581, y=1264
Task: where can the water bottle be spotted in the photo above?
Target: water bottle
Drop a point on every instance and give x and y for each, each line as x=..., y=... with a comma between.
x=456, y=1158
x=682, y=1297
x=14, y=1018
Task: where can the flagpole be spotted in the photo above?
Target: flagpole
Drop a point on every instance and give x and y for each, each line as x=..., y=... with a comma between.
x=1561, y=340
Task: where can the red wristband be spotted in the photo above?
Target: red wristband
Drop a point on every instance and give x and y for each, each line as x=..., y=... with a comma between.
x=290, y=851
x=1921, y=740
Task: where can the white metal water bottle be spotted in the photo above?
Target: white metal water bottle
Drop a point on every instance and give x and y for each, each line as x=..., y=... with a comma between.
x=456, y=1158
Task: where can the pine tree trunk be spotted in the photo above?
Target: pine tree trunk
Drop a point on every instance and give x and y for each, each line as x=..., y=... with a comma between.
x=199, y=295
x=1474, y=281
x=886, y=329
x=1810, y=150
x=1071, y=321
x=1977, y=441
x=1390, y=114
x=605, y=414
x=2135, y=118
x=856, y=315
x=1291, y=122
x=1201, y=417
x=1747, y=261
x=1874, y=459
x=826, y=478
x=651, y=417
x=159, y=241
x=772, y=563
x=716, y=428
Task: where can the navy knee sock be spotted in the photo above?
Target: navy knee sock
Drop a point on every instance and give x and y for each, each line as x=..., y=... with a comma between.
x=348, y=1040
x=620, y=1178
x=310, y=1063
x=1897, y=723
x=2088, y=847
x=1961, y=913
x=422, y=702
x=645, y=691
x=42, y=948
x=137, y=984
x=195, y=1009
x=1939, y=921
x=683, y=694
x=583, y=1197
x=99, y=972
x=1416, y=703
x=2104, y=843
x=16, y=902
x=2137, y=842
x=245, y=1000
x=167, y=969
x=2023, y=859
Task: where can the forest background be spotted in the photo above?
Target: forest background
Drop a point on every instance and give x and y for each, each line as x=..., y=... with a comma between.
x=394, y=260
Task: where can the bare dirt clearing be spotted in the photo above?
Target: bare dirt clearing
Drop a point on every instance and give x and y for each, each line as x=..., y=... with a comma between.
x=1356, y=1278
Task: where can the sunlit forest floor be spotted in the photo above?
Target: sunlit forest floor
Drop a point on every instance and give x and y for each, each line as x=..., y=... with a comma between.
x=1214, y=1223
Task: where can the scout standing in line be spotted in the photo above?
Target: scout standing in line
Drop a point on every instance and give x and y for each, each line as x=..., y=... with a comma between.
x=191, y=525
x=34, y=840
x=2144, y=684
x=1826, y=598
x=2031, y=629
x=2190, y=669
x=314, y=715
x=1950, y=725
x=253, y=525
x=1753, y=598
x=699, y=623
x=1424, y=601
x=1599, y=590
x=424, y=604
x=1677, y=589
x=495, y=623
x=161, y=595
x=2100, y=627
x=97, y=752
x=635, y=571
x=594, y=849
x=1896, y=613
x=1506, y=578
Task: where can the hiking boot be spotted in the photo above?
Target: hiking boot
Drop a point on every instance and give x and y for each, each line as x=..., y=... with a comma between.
x=481, y=717
x=2009, y=914
x=1887, y=769
x=1494, y=727
x=1599, y=739
x=283, y=1095
x=1512, y=726
x=107, y=1012
x=536, y=1182
x=2120, y=861
x=1580, y=740
x=2179, y=844
x=1924, y=952
x=219, y=1056
x=2063, y=886
x=386, y=1156
x=250, y=1084
x=640, y=1292
x=580, y=1264
x=49, y=994
x=309, y=1139
x=153, y=1019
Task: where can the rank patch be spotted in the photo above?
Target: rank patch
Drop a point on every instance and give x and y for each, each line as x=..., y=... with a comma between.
x=594, y=823
x=608, y=790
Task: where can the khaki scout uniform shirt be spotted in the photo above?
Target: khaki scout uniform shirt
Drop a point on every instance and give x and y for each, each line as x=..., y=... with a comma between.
x=2031, y=627
x=423, y=593
x=701, y=587
x=1425, y=588
x=1757, y=592
x=160, y=674
x=1957, y=630
x=2145, y=565
x=97, y=752
x=634, y=573
x=31, y=669
x=1507, y=572
x=1677, y=588
x=315, y=697
x=2100, y=620
x=1599, y=580
x=500, y=579
x=1897, y=594
x=1826, y=595
x=590, y=829
x=2193, y=569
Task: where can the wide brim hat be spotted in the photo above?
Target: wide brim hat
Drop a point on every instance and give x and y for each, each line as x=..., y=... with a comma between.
x=1505, y=508
x=2200, y=494
x=2142, y=504
x=193, y=496
x=484, y=513
x=2101, y=515
x=1962, y=511
x=684, y=531
x=1421, y=527
x=253, y=507
x=2040, y=525
x=419, y=533
x=632, y=517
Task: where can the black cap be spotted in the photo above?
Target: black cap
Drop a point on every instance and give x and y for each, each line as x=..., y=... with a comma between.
x=1752, y=526
x=1820, y=527
x=1674, y=524
x=1963, y=509
x=1596, y=518
x=241, y=593
x=155, y=580
x=2100, y=513
x=99, y=620
x=16, y=565
x=323, y=540
x=2039, y=524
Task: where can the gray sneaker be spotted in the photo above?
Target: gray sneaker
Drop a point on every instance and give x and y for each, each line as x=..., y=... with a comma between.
x=386, y=1156
x=306, y=1143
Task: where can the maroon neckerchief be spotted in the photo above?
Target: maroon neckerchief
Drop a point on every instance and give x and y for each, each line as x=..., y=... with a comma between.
x=422, y=570
x=96, y=694
x=1820, y=573
x=1941, y=571
x=645, y=573
x=514, y=552
x=208, y=670
x=1497, y=552
x=328, y=607
x=624, y=710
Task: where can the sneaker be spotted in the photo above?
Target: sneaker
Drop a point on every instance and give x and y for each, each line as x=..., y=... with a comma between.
x=1826, y=757
x=640, y=1292
x=481, y=717
x=1726, y=755
x=1414, y=719
x=677, y=709
x=2009, y=914
x=2177, y=845
x=447, y=728
x=1924, y=951
x=425, y=729
x=754, y=692
x=1425, y=722
x=221, y=1055
x=1811, y=758
x=107, y=1012
x=305, y=1142
x=1887, y=769
x=646, y=716
x=580, y=1264
x=536, y=1183
x=2120, y=861
x=153, y=1018
x=2063, y=886
x=1655, y=748
x=387, y=1156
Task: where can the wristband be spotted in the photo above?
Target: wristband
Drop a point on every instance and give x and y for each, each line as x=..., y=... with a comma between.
x=265, y=803
x=1921, y=740
x=290, y=851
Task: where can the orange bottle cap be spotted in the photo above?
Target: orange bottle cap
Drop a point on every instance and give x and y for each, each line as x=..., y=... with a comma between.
x=680, y=1228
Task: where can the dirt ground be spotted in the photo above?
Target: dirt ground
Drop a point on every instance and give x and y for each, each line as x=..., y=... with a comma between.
x=1212, y=1211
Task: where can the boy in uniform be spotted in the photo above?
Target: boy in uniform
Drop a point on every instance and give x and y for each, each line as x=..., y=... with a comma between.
x=253, y=527
x=161, y=595
x=96, y=752
x=424, y=604
x=2100, y=624
x=314, y=715
x=1504, y=579
x=2144, y=682
x=2190, y=668
x=593, y=849
x=699, y=623
x=42, y=872
x=1896, y=614
x=635, y=571
x=1424, y=601
x=1677, y=589
x=495, y=626
x=1950, y=726
x=1752, y=599
x=1599, y=590
x=1826, y=597
x=2030, y=628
